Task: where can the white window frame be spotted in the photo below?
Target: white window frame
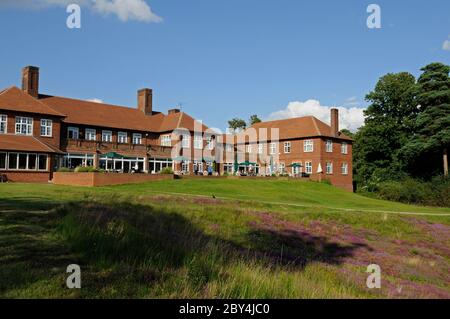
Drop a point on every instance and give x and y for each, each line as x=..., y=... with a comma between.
x=273, y=148
x=329, y=146
x=122, y=137
x=308, y=168
x=260, y=148
x=344, y=148
x=21, y=122
x=185, y=166
x=73, y=129
x=229, y=148
x=308, y=146
x=137, y=138
x=198, y=142
x=287, y=147
x=248, y=149
x=107, y=136
x=282, y=168
x=3, y=123
x=344, y=169
x=6, y=160
x=329, y=168
x=89, y=133
x=186, y=141
x=166, y=140
x=46, y=128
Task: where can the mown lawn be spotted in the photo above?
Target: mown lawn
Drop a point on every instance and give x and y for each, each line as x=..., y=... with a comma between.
x=218, y=239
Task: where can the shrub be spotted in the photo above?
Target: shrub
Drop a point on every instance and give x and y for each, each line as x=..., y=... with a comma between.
x=85, y=169
x=167, y=171
x=434, y=193
x=64, y=170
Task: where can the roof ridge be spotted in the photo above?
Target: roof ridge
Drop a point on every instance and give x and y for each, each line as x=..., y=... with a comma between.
x=86, y=101
x=285, y=119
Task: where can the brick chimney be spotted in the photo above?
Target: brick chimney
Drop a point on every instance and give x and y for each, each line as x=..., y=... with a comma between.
x=173, y=111
x=145, y=101
x=335, y=122
x=30, y=80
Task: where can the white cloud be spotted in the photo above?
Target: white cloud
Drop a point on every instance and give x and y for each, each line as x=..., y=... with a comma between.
x=446, y=45
x=125, y=10
x=95, y=100
x=350, y=118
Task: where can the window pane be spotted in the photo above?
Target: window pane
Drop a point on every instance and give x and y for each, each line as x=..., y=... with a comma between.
x=12, y=160
x=42, y=162
x=32, y=161
x=22, y=161
x=2, y=160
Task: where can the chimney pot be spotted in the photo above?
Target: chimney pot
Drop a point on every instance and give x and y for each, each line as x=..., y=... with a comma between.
x=30, y=80
x=335, y=122
x=145, y=101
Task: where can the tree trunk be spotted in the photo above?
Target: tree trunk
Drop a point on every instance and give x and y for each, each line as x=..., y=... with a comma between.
x=445, y=162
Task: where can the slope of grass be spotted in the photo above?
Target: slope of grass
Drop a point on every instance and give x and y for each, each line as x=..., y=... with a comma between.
x=136, y=241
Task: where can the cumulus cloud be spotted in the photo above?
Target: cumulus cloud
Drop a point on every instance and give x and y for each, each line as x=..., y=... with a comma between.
x=350, y=118
x=125, y=10
x=446, y=45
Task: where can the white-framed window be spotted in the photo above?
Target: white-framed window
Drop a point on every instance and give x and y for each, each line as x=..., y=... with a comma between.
x=210, y=143
x=281, y=168
x=344, y=148
x=248, y=149
x=287, y=147
x=23, y=161
x=90, y=134
x=106, y=136
x=273, y=148
x=198, y=142
x=73, y=133
x=186, y=141
x=308, y=146
x=46, y=127
x=185, y=167
x=260, y=148
x=329, y=169
x=2, y=160
x=230, y=148
x=344, y=169
x=122, y=137
x=329, y=146
x=137, y=138
x=3, y=124
x=24, y=125
x=166, y=140
x=308, y=167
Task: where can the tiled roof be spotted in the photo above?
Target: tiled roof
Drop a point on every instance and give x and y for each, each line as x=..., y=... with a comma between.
x=299, y=127
x=15, y=99
x=114, y=116
x=11, y=142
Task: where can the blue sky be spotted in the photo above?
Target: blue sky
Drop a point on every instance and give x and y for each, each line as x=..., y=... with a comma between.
x=224, y=59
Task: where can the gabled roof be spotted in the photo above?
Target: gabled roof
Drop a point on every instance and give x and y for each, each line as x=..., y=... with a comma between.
x=11, y=142
x=299, y=127
x=89, y=113
x=14, y=99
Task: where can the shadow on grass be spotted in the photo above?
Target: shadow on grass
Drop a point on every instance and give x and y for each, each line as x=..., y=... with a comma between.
x=137, y=244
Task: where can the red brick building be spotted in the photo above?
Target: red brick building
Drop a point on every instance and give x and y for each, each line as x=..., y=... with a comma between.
x=41, y=133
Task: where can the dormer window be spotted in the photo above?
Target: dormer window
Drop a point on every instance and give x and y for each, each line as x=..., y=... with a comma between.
x=24, y=125
x=73, y=133
x=46, y=127
x=3, y=123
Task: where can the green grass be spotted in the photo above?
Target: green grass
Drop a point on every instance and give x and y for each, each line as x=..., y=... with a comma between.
x=256, y=239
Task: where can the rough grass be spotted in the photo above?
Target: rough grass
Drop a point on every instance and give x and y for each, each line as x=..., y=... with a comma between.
x=134, y=243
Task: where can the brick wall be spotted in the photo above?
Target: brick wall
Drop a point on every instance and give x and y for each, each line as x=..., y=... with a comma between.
x=27, y=177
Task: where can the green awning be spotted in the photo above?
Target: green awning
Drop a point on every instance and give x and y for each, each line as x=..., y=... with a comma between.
x=247, y=163
x=114, y=155
x=181, y=159
x=295, y=165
